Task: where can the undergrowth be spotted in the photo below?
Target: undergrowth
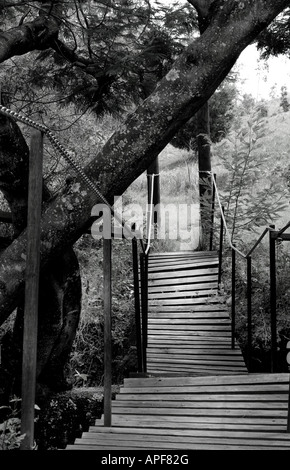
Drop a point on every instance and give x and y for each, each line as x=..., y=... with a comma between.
x=86, y=365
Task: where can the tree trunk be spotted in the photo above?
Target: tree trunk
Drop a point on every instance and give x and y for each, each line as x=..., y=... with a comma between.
x=204, y=166
x=60, y=287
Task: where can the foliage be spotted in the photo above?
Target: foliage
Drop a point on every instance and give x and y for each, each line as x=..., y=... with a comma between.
x=10, y=428
x=221, y=106
x=284, y=103
x=252, y=192
x=65, y=416
x=275, y=39
x=261, y=314
x=87, y=356
x=108, y=55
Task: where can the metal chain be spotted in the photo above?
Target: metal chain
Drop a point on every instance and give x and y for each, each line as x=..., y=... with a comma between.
x=57, y=145
x=64, y=153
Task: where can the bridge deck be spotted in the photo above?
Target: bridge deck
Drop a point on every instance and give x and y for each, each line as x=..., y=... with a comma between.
x=198, y=394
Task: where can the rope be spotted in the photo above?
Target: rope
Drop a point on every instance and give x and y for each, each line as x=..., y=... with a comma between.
x=64, y=153
x=224, y=220
x=150, y=213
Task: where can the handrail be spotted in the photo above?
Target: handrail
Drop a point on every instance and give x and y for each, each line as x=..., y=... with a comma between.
x=267, y=229
x=149, y=225
x=282, y=230
x=224, y=219
x=248, y=258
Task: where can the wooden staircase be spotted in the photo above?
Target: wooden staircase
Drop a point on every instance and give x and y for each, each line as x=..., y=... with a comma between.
x=197, y=394
x=189, y=329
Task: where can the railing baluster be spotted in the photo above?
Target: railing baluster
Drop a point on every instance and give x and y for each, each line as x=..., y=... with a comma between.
x=221, y=249
x=29, y=358
x=107, y=270
x=144, y=301
x=288, y=362
x=249, y=305
x=212, y=215
x=272, y=243
x=233, y=296
x=137, y=304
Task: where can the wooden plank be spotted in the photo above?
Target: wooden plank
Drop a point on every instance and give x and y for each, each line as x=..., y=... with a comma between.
x=188, y=321
x=107, y=288
x=195, y=342
x=176, y=424
x=258, y=378
x=250, y=388
x=157, y=445
x=199, y=360
x=185, y=253
x=189, y=440
x=180, y=288
x=191, y=330
x=134, y=404
x=152, y=338
x=184, y=359
x=181, y=259
x=239, y=400
x=182, y=281
x=195, y=351
x=207, y=412
x=187, y=432
x=180, y=265
x=185, y=316
x=181, y=369
x=182, y=268
x=179, y=421
x=206, y=293
x=216, y=307
x=192, y=301
x=186, y=273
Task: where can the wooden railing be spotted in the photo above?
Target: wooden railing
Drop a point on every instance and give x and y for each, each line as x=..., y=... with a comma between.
x=274, y=235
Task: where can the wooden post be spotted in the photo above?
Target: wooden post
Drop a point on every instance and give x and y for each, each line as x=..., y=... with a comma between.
x=233, y=296
x=137, y=304
x=153, y=169
x=212, y=215
x=288, y=362
x=249, y=305
x=144, y=301
x=107, y=269
x=272, y=249
x=31, y=291
x=221, y=249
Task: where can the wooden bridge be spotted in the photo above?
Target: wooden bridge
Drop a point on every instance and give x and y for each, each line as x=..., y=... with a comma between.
x=197, y=393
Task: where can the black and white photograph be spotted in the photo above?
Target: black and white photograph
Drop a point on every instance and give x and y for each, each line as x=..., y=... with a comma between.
x=144, y=231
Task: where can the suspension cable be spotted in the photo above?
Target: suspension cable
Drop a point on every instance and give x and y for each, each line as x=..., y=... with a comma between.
x=64, y=153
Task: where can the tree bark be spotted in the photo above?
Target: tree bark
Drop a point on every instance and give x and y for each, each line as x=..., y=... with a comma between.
x=128, y=153
x=60, y=286
x=204, y=166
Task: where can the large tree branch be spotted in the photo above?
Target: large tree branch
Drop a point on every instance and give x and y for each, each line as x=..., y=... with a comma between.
x=189, y=84
x=202, y=6
x=34, y=35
